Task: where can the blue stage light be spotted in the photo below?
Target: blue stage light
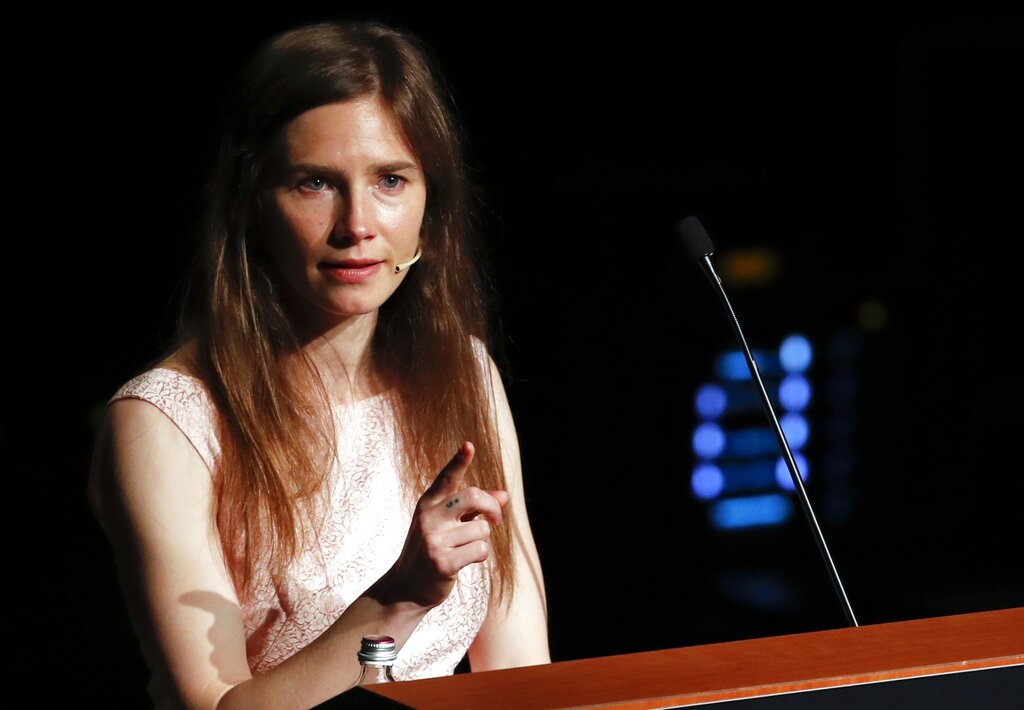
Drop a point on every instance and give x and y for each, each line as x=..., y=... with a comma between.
x=707, y=481
x=794, y=393
x=711, y=401
x=782, y=476
x=741, y=397
x=796, y=353
x=750, y=443
x=750, y=511
x=756, y=475
x=708, y=440
x=796, y=429
x=731, y=365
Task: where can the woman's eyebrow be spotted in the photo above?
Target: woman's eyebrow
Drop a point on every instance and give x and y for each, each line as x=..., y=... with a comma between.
x=392, y=167
x=374, y=169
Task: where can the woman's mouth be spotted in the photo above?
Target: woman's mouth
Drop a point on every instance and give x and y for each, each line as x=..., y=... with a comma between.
x=352, y=271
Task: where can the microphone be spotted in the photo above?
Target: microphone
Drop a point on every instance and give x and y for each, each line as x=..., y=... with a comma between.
x=399, y=268
x=697, y=242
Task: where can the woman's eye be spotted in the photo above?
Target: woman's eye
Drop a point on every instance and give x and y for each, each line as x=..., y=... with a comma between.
x=315, y=184
x=392, y=182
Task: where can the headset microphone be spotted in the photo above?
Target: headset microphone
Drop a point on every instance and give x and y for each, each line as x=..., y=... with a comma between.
x=399, y=268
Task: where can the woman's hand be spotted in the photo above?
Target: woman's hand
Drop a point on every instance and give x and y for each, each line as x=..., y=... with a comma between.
x=451, y=528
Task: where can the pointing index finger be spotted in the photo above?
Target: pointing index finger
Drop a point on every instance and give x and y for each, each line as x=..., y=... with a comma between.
x=450, y=477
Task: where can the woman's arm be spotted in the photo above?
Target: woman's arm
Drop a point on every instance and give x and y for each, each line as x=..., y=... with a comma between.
x=154, y=496
x=514, y=633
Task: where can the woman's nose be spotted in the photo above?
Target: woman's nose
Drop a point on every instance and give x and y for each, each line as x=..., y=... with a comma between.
x=356, y=220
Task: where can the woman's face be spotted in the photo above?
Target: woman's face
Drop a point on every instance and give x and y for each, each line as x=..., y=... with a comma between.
x=347, y=200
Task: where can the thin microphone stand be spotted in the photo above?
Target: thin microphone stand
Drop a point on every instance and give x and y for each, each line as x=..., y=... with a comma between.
x=794, y=472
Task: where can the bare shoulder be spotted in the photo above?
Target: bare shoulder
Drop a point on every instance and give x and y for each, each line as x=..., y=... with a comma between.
x=141, y=452
x=157, y=431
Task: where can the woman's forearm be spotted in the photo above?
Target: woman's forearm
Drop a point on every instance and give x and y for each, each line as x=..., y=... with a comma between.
x=328, y=666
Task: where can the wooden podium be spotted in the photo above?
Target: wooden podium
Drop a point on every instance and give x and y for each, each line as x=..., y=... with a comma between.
x=758, y=668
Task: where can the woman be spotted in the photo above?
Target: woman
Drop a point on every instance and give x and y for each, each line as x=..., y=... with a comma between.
x=283, y=483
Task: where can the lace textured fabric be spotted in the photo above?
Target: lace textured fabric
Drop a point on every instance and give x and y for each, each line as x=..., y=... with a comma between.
x=361, y=537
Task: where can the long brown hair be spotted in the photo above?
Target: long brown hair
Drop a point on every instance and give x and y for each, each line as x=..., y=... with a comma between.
x=275, y=434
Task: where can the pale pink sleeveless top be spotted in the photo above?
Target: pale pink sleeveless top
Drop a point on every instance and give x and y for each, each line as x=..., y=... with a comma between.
x=361, y=538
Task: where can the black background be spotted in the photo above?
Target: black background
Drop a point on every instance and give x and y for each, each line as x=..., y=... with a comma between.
x=874, y=151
